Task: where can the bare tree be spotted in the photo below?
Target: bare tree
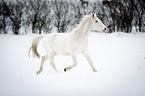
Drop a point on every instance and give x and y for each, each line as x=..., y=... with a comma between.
x=139, y=14
x=61, y=15
x=76, y=13
x=47, y=27
x=16, y=16
x=5, y=12
x=37, y=14
x=120, y=14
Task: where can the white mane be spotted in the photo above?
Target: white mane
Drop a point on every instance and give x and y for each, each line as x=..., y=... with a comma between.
x=83, y=27
x=83, y=21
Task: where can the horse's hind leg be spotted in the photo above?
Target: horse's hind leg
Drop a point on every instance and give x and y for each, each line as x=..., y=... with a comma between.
x=44, y=58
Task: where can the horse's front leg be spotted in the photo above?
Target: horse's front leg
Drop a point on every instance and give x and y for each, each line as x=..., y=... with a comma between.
x=74, y=63
x=52, y=63
x=86, y=54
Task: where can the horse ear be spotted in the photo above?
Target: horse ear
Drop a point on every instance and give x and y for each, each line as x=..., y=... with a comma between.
x=93, y=15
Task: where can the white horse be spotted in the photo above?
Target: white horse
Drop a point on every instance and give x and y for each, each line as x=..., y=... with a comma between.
x=71, y=43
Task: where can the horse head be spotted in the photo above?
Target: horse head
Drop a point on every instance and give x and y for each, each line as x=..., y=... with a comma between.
x=97, y=24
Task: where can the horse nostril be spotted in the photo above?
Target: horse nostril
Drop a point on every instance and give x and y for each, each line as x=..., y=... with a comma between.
x=105, y=29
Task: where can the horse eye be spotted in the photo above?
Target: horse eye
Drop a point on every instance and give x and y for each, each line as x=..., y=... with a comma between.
x=96, y=21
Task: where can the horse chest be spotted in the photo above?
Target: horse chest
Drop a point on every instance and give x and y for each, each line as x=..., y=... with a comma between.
x=81, y=46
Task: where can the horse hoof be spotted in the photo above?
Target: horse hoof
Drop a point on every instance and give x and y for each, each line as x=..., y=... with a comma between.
x=38, y=72
x=65, y=69
x=95, y=70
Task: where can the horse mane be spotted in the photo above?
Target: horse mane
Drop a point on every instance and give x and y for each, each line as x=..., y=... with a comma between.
x=82, y=23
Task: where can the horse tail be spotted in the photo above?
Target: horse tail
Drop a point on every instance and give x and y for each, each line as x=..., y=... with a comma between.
x=34, y=46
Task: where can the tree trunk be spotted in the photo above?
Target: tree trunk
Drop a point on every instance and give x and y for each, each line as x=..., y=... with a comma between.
x=34, y=23
x=40, y=30
x=16, y=32
x=4, y=25
x=140, y=23
x=33, y=28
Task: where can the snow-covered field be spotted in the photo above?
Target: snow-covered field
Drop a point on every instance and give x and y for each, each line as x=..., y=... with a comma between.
x=118, y=57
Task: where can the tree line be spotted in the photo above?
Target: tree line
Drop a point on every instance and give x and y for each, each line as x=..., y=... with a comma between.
x=125, y=14
x=63, y=15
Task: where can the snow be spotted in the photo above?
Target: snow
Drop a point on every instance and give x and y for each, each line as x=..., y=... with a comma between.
x=118, y=57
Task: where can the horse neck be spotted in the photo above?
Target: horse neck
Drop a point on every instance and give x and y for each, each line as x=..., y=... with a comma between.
x=82, y=32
